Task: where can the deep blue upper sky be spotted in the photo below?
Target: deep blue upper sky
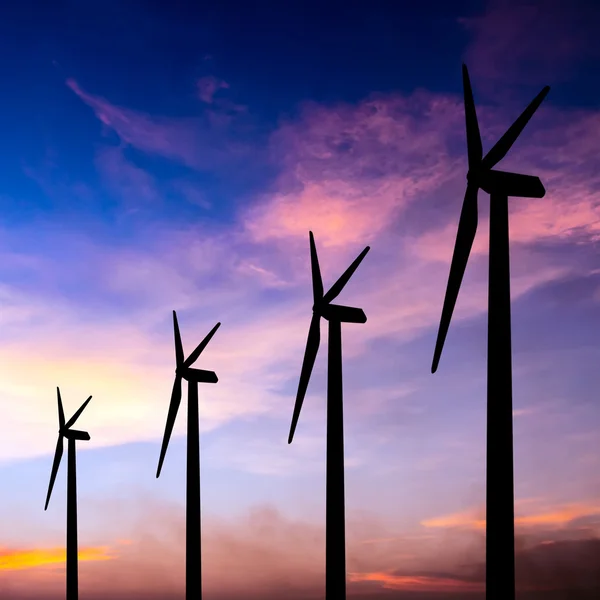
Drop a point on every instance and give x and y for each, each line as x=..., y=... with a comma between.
x=274, y=53
x=148, y=56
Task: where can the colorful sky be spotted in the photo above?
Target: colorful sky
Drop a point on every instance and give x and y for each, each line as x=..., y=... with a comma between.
x=156, y=156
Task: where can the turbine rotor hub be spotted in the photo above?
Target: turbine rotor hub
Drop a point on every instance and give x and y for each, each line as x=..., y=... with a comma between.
x=473, y=175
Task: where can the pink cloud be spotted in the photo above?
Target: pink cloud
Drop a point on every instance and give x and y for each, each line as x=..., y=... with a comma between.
x=191, y=192
x=198, y=142
x=263, y=553
x=349, y=177
x=352, y=170
x=530, y=514
x=208, y=87
x=135, y=186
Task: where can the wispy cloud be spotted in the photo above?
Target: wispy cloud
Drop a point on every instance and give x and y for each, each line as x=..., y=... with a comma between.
x=355, y=175
x=419, y=583
x=208, y=86
x=545, y=518
x=134, y=186
x=200, y=142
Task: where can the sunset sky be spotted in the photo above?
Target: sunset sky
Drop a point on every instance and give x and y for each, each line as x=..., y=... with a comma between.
x=157, y=156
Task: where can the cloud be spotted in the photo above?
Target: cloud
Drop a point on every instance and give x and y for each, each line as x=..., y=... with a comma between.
x=381, y=173
x=133, y=185
x=208, y=87
x=192, y=192
x=544, y=518
x=264, y=553
x=350, y=171
x=204, y=142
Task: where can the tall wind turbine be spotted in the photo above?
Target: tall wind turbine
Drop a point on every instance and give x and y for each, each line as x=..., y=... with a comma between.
x=335, y=544
x=72, y=435
x=183, y=370
x=500, y=537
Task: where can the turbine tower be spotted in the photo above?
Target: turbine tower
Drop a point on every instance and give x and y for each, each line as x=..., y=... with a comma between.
x=72, y=435
x=335, y=544
x=183, y=370
x=500, y=537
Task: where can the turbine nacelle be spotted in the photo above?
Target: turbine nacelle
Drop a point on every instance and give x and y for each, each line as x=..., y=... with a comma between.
x=503, y=183
x=75, y=434
x=196, y=375
x=343, y=314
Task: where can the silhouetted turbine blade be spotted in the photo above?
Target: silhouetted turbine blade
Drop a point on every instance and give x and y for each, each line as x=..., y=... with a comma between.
x=503, y=145
x=193, y=357
x=467, y=227
x=338, y=286
x=173, y=408
x=512, y=184
x=76, y=416
x=474, y=147
x=179, y=356
x=57, y=456
x=317, y=281
x=310, y=354
x=61, y=412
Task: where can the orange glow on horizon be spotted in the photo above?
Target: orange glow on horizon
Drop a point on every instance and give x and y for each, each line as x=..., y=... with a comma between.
x=558, y=517
x=417, y=583
x=12, y=560
x=464, y=519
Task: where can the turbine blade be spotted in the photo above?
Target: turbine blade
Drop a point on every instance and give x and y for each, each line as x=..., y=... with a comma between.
x=474, y=148
x=57, y=456
x=61, y=412
x=467, y=226
x=178, y=345
x=76, y=416
x=512, y=184
x=338, y=286
x=173, y=408
x=503, y=145
x=317, y=281
x=193, y=357
x=310, y=354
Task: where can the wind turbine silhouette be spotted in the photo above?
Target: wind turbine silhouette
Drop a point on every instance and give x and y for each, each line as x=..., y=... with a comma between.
x=183, y=370
x=500, y=536
x=72, y=435
x=335, y=544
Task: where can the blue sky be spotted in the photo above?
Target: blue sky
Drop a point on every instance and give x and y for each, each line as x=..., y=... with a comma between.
x=156, y=157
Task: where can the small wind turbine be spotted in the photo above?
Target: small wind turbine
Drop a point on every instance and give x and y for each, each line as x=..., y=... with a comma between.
x=183, y=370
x=335, y=534
x=72, y=435
x=500, y=536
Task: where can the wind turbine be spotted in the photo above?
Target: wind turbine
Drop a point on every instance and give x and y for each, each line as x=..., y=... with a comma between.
x=500, y=537
x=72, y=435
x=183, y=370
x=335, y=534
